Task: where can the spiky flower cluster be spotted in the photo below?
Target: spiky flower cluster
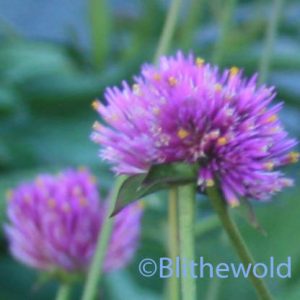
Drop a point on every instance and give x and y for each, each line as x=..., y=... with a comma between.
x=187, y=110
x=54, y=224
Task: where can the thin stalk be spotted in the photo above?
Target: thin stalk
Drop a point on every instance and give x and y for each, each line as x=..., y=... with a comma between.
x=64, y=292
x=213, y=289
x=224, y=26
x=271, y=33
x=237, y=241
x=168, y=29
x=191, y=22
x=186, y=204
x=100, y=26
x=95, y=272
x=173, y=243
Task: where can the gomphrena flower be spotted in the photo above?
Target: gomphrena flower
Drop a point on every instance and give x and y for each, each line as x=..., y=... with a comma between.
x=186, y=110
x=54, y=223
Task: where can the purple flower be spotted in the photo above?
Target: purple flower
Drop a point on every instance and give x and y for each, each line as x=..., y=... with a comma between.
x=54, y=224
x=186, y=110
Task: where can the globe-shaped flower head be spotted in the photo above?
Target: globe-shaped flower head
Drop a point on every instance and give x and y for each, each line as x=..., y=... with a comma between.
x=54, y=224
x=185, y=110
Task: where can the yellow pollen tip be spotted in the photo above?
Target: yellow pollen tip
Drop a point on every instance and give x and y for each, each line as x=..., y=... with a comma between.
x=8, y=194
x=51, y=203
x=182, y=133
x=199, y=61
x=82, y=169
x=234, y=71
x=210, y=183
x=172, y=81
x=218, y=87
x=156, y=110
x=77, y=190
x=97, y=126
x=157, y=77
x=136, y=89
x=234, y=203
x=93, y=179
x=39, y=182
x=27, y=198
x=66, y=207
x=269, y=166
x=83, y=201
x=142, y=204
x=96, y=104
x=293, y=157
x=222, y=141
x=272, y=118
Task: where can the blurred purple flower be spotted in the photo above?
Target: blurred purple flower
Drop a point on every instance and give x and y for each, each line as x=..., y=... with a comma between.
x=187, y=110
x=54, y=223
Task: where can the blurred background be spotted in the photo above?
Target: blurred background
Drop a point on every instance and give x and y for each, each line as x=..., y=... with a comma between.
x=57, y=56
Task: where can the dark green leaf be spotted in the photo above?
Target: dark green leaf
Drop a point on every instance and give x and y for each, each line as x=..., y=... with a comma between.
x=175, y=173
x=158, y=178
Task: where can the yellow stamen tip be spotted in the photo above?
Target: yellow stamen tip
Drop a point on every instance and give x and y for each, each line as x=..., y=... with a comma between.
x=9, y=194
x=51, y=203
x=39, y=182
x=27, y=198
x=234, y=203
x=97, y=126
x=156, y=110
x=222, y=141
x=93, y=179
x=96, y=104
x=82, y=169
x=136, y=89
x=234, y=71
x=182, y=133
x=172, y=81
x=293, y=157
x=210, y=183
x=272, y=118
x=218, y=87
x=66, y=207
x=199, y=61
x=269, y=166
x=83, y=201
x=157, y=77
x=77, y=190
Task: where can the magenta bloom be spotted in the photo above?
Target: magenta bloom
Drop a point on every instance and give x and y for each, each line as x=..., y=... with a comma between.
x=186, y=110
x=54, y=224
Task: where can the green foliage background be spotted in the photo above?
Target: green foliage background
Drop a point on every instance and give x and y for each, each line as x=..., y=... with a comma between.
x=46, y=89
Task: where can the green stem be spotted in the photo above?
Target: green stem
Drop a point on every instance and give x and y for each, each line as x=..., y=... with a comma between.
x=100, y=20
x=237, y=241
x=168, y=29
x=95, y=272
x=173, y=243
x=186, y=203
x=64, y=292
x=270, y=39
x=225, y=27
x=213, y=289
x=192, y=20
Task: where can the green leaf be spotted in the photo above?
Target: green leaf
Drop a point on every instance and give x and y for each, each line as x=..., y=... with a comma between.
x=175, y=173
x=9, y=100
x=158, y=178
